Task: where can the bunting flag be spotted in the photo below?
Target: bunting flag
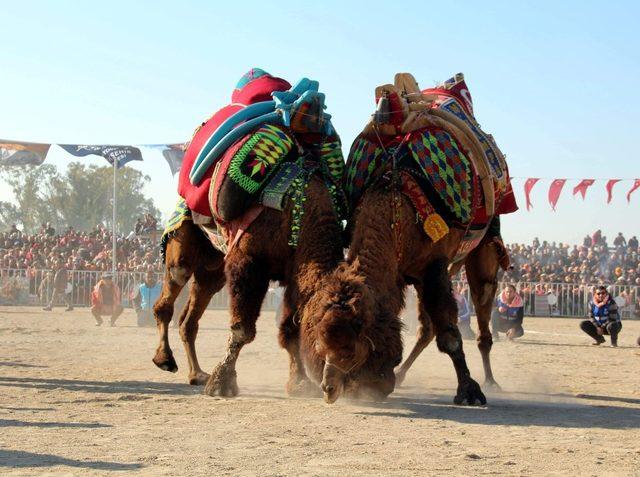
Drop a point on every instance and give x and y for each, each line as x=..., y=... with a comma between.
x=528, y=185
x=582, y=187
x=609, y=186
x=16, y=153
x=554, y=192
x=636, y=185
x=120, y=154
x=174, y=154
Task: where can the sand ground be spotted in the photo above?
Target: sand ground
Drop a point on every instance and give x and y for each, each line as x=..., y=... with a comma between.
x=81, y=400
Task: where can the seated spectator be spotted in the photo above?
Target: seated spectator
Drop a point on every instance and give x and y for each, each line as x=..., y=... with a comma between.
x=464, y=315
x=105, y=300
x=146, y=295
x=604, y=318
x=508, y=314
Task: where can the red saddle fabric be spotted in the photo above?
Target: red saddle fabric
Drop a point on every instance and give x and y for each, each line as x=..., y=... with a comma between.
x=253, y=91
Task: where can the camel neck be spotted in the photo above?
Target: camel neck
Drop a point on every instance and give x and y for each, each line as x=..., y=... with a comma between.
x=320, y=247
x=373, y=250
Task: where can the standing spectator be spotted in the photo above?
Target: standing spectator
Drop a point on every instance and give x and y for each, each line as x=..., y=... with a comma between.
x=144, y=299
x=619, y=241
x=633, y=243
x=604, y=318
x=464, y=315
x=60, y=279
x=508, y=315
x=105, y=300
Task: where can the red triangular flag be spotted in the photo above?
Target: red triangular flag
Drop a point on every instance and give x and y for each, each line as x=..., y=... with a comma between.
x=636, y=185
x=582, y=187
x=554, y=191
x=610, y=185
x=528, y=185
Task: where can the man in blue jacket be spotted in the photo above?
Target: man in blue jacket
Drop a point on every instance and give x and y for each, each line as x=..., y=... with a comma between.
x=146, y=295
x=508, y=315
x=604, y=318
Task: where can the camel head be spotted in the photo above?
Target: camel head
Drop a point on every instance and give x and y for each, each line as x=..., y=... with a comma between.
x=342, y=332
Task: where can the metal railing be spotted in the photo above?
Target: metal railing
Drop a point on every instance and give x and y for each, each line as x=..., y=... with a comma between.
x=35, y=287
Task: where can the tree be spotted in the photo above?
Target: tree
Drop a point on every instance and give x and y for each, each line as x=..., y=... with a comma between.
x=80, y=198
x=28, y=184
x=9, y=215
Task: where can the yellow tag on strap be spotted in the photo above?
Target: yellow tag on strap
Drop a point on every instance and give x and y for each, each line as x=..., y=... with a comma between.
x=435, y=227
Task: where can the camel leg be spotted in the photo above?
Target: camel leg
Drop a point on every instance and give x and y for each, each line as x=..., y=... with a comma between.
x=174, y=280
x=248, y=284
x=205, y=284
x=441, y=307
x=289, y=337
x=482, y=270
x=424, y=336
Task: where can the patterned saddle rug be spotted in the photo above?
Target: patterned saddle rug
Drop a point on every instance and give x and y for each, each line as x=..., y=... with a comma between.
x=452, y=172
x=434, y=171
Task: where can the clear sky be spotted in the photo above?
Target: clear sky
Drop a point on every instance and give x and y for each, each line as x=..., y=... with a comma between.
x=554, y=82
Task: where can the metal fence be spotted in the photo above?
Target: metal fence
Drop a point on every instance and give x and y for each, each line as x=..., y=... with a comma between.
x=35, y=287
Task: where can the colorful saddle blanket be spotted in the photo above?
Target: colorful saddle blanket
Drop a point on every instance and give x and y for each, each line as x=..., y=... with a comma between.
x=454, y=98
x=431, y=157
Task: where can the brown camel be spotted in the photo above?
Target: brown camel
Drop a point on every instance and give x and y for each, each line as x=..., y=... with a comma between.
x=424, y=203
x=263, y=254
x=188, y=254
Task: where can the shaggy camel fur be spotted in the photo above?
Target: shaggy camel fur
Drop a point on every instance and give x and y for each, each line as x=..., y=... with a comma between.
x=188, y=254
x=339, y=335
x=389, y=251
x=263, y=254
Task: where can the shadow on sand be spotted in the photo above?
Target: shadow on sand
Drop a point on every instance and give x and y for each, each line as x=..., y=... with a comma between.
x=505, y=410
x=84, y=425
x=22, y=459
x=107, y=387
x=16, y=364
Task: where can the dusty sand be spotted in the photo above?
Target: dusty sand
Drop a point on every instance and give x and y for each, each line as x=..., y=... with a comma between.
x=81, y=400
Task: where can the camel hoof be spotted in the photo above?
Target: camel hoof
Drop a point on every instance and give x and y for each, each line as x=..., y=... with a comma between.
x=198, y=379
x=491, y=385
x=303, y=388
x=400, y=377
x=166, y=362
x=469, y=392
x=222, y=383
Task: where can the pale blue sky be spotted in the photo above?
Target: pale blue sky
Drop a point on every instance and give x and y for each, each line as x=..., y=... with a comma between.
x=554, y=82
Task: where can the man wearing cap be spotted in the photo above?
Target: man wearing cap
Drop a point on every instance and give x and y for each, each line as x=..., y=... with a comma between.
x=105, y=300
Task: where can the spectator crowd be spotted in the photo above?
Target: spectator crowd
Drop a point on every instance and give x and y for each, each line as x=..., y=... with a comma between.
x=590, y=263
x=74, y=250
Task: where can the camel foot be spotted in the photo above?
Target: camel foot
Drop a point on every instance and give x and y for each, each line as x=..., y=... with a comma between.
x=469, y=392
x=492, y=385
x=222, y=382
x=165, y=361
x=400, y=377
x=302, y=387
x=199, y=378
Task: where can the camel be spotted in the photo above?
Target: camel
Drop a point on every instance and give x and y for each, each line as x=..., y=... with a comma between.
x=188, y=254
x=248, y=268
x=269, y=178
x=399, y=239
